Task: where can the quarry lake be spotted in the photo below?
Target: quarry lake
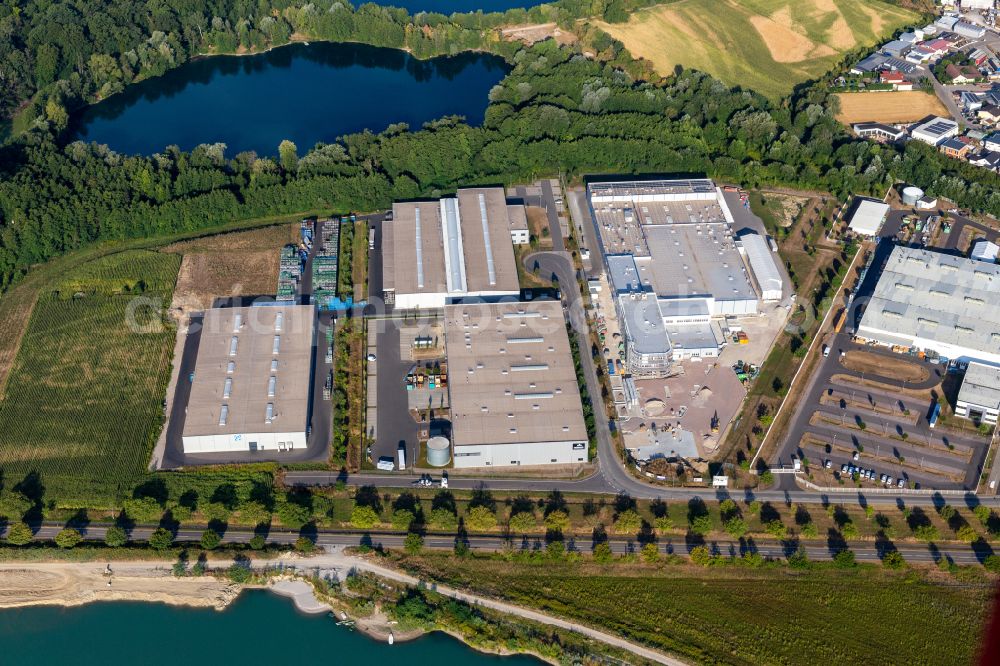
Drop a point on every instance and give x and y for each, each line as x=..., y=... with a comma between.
x=304, y=93
x=258, y=628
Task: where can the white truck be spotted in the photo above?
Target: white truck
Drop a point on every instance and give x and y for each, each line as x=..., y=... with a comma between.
x=401, y=457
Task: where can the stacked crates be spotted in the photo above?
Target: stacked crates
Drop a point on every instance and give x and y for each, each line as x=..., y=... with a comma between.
x=324, y=268
x=289, y=274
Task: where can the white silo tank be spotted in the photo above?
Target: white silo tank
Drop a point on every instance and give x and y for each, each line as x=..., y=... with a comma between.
x=911, y=195
x=438, y=451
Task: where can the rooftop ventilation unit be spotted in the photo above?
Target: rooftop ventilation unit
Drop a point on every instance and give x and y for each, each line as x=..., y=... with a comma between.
x=223, y=415
x=227, y=389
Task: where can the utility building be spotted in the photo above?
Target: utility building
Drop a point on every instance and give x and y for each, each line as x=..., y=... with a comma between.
x=936, y=303
x=439, y=252
x=251, y=385
x=979, y=397
x=513, y=387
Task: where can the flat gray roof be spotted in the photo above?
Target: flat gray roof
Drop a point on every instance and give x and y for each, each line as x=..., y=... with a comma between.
x=239, y=351
x=518, y=217
x=936, y=297
x=511, y=374
x=455, y=245
x=692, y=336
x=624, y=273
x=981, y=386
x=696, y=260
x=639, y=189
x=644, y=324
x=684, y=307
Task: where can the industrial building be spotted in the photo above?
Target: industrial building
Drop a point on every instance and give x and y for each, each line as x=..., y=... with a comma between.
x=868, y=217
x=513, y=388
x=984, y=250
x=936, y=303
x=251, y=386
x=677, y=268
x=439, y=252
x=879, y=132
x=979, y=396
x=935, y=130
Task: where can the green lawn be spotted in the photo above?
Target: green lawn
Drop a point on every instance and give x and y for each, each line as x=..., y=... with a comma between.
x=83, y=404
x=735, y=615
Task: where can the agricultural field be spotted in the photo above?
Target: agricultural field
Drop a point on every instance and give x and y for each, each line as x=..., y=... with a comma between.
x=243, y=263
x=738, y=615
x=83, y=402
x=888, y=107
x=765, y=45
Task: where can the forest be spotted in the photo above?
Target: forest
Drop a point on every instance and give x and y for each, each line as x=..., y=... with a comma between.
x=557, y=110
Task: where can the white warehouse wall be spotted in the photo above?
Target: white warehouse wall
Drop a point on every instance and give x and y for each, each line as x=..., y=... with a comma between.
x=526, y=453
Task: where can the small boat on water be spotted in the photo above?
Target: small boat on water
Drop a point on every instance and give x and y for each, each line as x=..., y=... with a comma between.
x=391, y=638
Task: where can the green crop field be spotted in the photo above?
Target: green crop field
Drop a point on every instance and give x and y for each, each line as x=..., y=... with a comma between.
x=735, y=615
x=83, y=404
x=766, y=45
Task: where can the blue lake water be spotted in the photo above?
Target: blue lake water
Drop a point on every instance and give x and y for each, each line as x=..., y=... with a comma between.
x=259, y=628
x=450, y=6
x=306, y=94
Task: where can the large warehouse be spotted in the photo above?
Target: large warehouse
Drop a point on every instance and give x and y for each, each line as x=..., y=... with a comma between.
x=937, y=303
x=673, y=240
x=439, y=252
x=251, y=383
x=513, y=388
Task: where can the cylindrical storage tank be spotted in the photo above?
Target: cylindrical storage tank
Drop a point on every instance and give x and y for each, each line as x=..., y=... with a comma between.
x=438, y=451
x=911, y=195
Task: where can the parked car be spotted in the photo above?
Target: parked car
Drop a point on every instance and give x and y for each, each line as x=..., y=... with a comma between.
x=857, y=455
x=843, y=469
x=386, y=463
x=828, y=464
x=901, y=483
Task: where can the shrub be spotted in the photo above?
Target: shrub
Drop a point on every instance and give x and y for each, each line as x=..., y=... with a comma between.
x=947, y=512
x=926, y=532
x=215, y=512
x=983, y=513
x=305, y=545
x=767, y=478
x=557, y=520
x=401, y=519
x=210, y=539
x=13, y=505
x=849, y=530
x=481, y=519
x=556, y=550
x=522, y=521
x=68, y=537
x=992, y=563
x=776, y=528
x=663, y=523
x=413, y=543
x=754, y=508
x=602, y=553
x=293, y=514
x=893, y=560
x=254, y=513
x=239, y=573
x=809, y=530
x=754, y=560
x=257, y=542
x=115, y=536
x=701, y=556
x=161, y=539
x=726, y=508
x=364, y=517
x=19, y=534
x=628, y=522
x=799, y=559
x=650, y=553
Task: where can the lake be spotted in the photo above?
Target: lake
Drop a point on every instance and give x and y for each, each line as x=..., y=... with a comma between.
x=306, y=94
x=258, y=628
x=450, y=6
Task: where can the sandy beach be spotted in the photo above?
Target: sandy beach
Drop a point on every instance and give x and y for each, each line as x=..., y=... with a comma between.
x=75, y=583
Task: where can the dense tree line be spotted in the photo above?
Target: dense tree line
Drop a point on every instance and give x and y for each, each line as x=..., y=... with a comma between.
x=61, y=54
x=557, y=110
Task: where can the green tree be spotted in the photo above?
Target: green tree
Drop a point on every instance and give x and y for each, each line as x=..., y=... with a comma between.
x=799, y=559
x=663, y=523
x=650, y=553
x=849, y=530
x=402, y=519
x=522, y=521
x=288, y=155
x=254, y=513
x=727, y=508
x=161, y=539
x=364, y=517
x=19, y=534
x=628, y=522
x=967, y=533
x=844, y=559
x=68, y=537
x=992, y=563
x=216, y=511
x=701, y=556
x=239, y=573
x=926, y=532
x=443, y=519
x=809, y=530
x=557, y=520
x=701, y=524
x=481, y=519
x=754, y=507
x=893, y=560
x=257, y=542
x=304, y=545
x=413, y=543
x=293, y=514
x=983, y=513
x=736, y=527
x=13, y=505
x=210, y=539
x=115, y=537
x=602, y=553
x=143, y=509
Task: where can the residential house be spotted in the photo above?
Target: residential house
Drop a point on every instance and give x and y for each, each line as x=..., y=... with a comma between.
x=989, y=114
x=959, y=75
x=954, y=147
x=896, y=79
x=971, y=100
x=987, y=160
x=992, y=142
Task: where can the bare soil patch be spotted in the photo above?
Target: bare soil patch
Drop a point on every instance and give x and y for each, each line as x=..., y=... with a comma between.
x=888, y=107
x=784, y=44
x=529, y=34
x=884, y=366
